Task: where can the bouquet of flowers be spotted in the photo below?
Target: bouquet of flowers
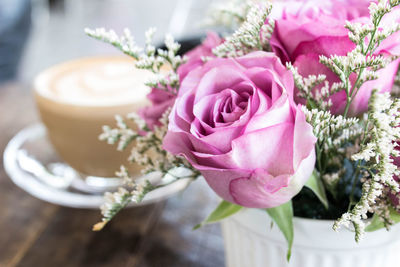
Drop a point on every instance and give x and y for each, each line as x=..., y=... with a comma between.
x=295, y=113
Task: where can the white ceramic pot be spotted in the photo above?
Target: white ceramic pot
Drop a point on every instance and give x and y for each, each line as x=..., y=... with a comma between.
x=251, y=242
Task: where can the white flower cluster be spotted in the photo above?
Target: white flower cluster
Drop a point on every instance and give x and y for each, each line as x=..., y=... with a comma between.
x=331, y=130
x=347, y=135
x=111, y=199
x=126, y=43
x=359, y=32
x=265, y=34
x=336, y=136
x=385, y=118
x=124, y=135
x=168, y=82
x=307, y=88
x=116, y=201
x=362, y=61
x=377, y=156
x=354, y=61
x=148, y=57
x=148, y=150
x=378, y=10
x=247, y=38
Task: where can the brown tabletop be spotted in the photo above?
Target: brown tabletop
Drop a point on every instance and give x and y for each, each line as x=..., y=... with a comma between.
x=37, y=234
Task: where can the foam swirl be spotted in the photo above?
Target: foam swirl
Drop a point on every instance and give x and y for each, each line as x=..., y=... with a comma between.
x=96, y=81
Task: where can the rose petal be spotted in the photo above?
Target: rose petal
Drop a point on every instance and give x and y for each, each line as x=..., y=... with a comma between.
x=304, y=139
x=254, y=192
x=274, y=143
x=258, y=190
x=280, y=112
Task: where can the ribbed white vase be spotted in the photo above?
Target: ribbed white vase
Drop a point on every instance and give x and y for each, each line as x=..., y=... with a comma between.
x=251, y=242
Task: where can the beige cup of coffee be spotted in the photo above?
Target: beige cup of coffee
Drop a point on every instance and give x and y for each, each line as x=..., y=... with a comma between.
x=75, y=99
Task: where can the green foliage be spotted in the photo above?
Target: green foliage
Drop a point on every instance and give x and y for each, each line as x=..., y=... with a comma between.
x=224, y=210
x=283, y=217
x=317, y=186
x=377, y=222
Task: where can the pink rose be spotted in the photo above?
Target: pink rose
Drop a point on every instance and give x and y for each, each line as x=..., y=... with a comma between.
x=161, y=100
x=301, y=36
x=236, y=122
x=196, y=55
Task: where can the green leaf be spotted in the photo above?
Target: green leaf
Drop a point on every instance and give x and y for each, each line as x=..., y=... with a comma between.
x=224, y=210
x=377, y=223
x=283, y=217
x=315, y=184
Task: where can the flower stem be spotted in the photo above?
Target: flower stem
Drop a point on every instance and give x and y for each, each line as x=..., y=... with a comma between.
x=351, y=94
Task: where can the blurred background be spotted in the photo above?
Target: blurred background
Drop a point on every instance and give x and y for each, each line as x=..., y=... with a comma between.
x=35, y=34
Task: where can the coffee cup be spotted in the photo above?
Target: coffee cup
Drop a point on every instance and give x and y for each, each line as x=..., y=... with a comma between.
x=75, y=99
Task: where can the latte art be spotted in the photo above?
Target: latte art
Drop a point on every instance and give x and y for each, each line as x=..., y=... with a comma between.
x=99, y=82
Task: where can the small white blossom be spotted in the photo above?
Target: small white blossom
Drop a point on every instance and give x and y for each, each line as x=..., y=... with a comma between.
x=229, y=13
x=306, y=88
x=247, y=37
x=126, y=42
x=327, y=125
x=112, y=199
x=138, y=120
x=147, y=57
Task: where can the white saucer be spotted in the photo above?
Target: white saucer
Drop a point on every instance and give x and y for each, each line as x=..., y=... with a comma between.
x=31, y=143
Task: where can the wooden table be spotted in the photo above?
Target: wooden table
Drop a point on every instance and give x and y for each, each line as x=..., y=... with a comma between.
x=37, y=234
